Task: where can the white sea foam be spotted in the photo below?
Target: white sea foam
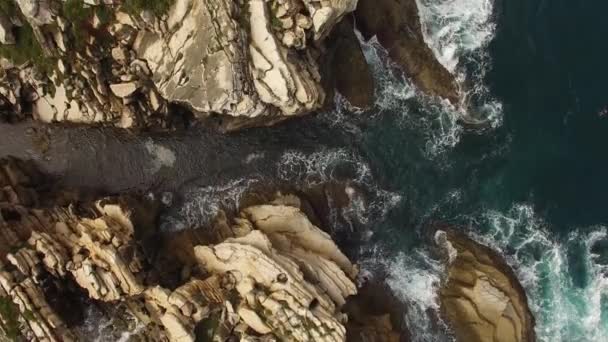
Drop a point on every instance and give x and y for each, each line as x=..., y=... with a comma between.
x=98, y=327
x=415, y=278
x=301, y=170
x=453, y=28
x=396, y=94
x=565, y=309
x=202, y=204
x=459, y=32
x=327, y=165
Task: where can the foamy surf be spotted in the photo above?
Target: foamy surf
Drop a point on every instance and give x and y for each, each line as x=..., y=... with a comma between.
x=566, y=284
x=454, y=28
x=301, y=170
x=415, y=278
x=459, y=32
x=334, y=165
x=396, y=94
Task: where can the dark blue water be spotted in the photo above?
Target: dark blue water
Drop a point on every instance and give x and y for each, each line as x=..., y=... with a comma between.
x=533, y=187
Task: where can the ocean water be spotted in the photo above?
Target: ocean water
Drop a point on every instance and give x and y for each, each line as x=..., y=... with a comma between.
x=533, y=185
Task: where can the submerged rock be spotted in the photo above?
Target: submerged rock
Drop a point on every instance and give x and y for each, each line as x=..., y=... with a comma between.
x=482, y=299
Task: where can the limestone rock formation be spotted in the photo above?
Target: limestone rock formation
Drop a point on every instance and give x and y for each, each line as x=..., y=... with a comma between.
x=252, y=60
x=482, y=299
x=267, y=274
x=291, y=277
x=396, y=23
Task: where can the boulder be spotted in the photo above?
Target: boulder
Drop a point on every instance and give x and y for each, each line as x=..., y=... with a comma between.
x=347, y=66
x=274, y=291
x=482, y=299
x=38, y=12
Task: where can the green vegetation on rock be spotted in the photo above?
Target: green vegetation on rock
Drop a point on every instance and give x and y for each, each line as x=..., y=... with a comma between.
x=79, y=15
x=158, y=7
x=76, y=13
x=9, y=313
x=26, y=48
x=8, y=7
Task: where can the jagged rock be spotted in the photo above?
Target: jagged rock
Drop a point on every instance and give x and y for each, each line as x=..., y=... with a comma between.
x=213, y=56
x=482, y=298
x=272, y=272
x=328, y=14
x=290, y=222
x=288, y=83
x=347, y=67
x=202, y=62
x=37, y=12
x=397, y=25
x=123, y=90
x=274, y=286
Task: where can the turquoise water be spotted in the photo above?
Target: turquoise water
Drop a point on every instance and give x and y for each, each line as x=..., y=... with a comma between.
x=533, y=185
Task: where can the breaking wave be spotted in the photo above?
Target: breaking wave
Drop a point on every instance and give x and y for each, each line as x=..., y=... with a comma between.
x=202, y=204
x=453, y=28
x=414, y=111
x=336, y=165
x=415, y=278
x=300, y=170
x=459, y=32
x=565, y=278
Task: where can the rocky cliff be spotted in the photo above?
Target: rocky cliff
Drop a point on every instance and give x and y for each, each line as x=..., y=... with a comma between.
x=119, y=63
x=396, y=24
x=138, y=64
x=267, y=274
x=482, y=298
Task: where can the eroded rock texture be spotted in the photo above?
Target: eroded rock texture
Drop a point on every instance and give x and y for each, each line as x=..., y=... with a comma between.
x=238, y=63
x=267, y=274
x=253, y=60
x=482, y=299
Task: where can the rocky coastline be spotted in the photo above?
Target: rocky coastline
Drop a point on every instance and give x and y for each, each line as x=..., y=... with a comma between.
x=82, y=238
x=235, y=64
x=266, y=274
x=263, y=273
x=481, y=297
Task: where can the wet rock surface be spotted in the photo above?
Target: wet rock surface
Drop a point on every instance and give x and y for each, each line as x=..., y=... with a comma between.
x=482, y=298
x=396, y=23
x=347, y=67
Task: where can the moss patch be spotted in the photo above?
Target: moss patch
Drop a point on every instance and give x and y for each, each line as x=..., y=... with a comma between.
x=9, y=313
x=158, y=7
x=8, y=7
x=27, y=49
